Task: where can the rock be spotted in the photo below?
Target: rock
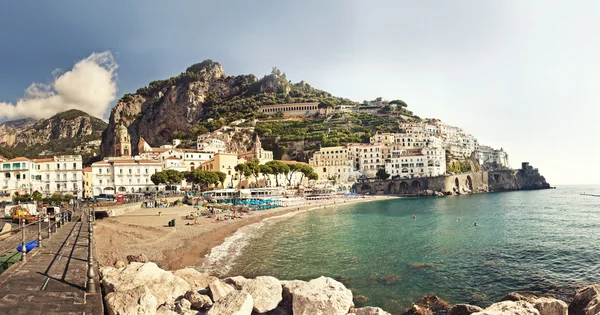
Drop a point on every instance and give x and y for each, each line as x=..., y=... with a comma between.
x=234, y=303
x=162, y=284
x=183, y=306
x=464, y=309
x=550, y=306
x=318, y=296
x=514, y=296
x=219, y=289
x=138, y=300
x=434, y=304
x=120, y=264
x=197, y=280
x=137, y=258
x=198, y=301
x=266, y=291
x=369, y=310
x=165, y=310
x=586, y=301
x=360, y=300
x=510, y=308
x=417, y=310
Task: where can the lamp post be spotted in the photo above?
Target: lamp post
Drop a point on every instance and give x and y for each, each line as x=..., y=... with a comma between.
x=23, y=247
x=91, y=285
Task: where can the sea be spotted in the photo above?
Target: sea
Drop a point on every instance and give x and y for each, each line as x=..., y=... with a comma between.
x=465, y=249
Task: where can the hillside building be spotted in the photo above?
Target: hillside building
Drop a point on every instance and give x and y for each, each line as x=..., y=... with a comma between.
x=332, y=162
x=124, y=176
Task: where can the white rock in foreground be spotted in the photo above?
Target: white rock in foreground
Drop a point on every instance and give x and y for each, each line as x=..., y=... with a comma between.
x=219, y=289
x=197, y=280
x=509, y=308
x=321, y=296
x=234, y=303
x=266, y=291
x=138, y=300
x=549, y=306
x=162, y=284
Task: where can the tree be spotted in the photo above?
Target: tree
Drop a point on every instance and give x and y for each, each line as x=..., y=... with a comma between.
x=265, y=170
x=159, y=178
x=222, y=176
x=301, y=168
x=399, y=103
x=382, y=174
x=36, y=195
x=173, y=177
x=312, y=176
x=254, y=166
x=243, y=170
x=278, y=168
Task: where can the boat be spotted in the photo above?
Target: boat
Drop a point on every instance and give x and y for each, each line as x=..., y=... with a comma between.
x=592, y=195
x=29, y=246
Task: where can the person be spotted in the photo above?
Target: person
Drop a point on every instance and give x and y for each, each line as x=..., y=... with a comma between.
x=414, y=216
x=475, y=223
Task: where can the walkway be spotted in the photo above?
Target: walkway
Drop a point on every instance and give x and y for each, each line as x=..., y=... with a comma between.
x=53, y=279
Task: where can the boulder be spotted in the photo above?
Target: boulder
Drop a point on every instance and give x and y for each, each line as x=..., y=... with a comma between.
x=586, y=301
x=318, y=296
x=120, y=264
x=369, y=310
x=165, y=310
x=137, y=258
x=514, y=296
x=434, y=304
x=197, y=280
x=510, y=308
x=464, y=309
x=198, y=301
x=550, y=306
x=183, y=306
x=266, y=291
x=218, y=289
x=417, y=310
x=162, y=284
x=138, y=300
x=234, y=303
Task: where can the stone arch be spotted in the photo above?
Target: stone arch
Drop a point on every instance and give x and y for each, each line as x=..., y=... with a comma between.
x=404, y=188
x=437, y=163
x=380, y=189
x=416, y=186
x=430, y=163
x=122, y=189
x=469, y=182
x=365, y=188
x=97, y=191
x=393, y=188
x=456, y=183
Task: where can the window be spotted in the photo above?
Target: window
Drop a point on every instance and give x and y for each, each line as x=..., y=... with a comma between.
x=100, y=182
x=58, y=186
x=75, y=167
x=57, y=166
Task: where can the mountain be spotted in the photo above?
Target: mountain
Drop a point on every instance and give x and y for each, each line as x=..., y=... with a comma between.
x=201, y=99
x=59, y=134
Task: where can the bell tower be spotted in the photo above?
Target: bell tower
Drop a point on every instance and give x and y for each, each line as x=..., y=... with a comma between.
x=122, y=142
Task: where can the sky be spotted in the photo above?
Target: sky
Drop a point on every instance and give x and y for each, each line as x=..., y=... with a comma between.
x=519, y=75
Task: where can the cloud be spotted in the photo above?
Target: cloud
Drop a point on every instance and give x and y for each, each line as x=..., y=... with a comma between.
x=90, y=86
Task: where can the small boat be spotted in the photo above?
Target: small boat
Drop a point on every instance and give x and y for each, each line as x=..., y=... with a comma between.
x=29, y=246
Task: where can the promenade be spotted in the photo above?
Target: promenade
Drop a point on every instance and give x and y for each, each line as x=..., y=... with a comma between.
x=53, y=279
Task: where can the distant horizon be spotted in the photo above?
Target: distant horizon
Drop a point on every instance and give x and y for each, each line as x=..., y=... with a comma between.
x=521, y=76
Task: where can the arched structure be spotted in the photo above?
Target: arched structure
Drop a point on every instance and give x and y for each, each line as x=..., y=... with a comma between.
x=469, y=183
x=416, y=187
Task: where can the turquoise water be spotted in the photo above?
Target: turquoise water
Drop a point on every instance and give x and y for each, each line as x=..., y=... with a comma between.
x=539, y=241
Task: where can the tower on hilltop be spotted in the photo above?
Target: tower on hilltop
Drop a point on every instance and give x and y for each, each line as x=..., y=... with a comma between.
x=122, y=143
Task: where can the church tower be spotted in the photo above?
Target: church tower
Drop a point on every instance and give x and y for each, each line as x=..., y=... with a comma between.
x=258, y=150
x=122, y=142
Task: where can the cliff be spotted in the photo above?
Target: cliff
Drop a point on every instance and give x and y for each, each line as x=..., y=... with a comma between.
x=61, y=133
x=526, y=178
x=201, y=99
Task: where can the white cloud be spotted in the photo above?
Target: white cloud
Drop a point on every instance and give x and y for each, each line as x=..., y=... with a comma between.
x=90, y=86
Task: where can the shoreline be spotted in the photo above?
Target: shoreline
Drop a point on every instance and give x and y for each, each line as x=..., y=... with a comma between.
x=142, y=231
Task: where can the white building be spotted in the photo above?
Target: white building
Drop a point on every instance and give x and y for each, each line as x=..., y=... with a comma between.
x=62, y=174
x=125, y=175
x=332, y=162
x=16, y=175
x=491, y=158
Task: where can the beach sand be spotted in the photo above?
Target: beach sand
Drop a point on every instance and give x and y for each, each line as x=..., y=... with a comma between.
x=143, y=231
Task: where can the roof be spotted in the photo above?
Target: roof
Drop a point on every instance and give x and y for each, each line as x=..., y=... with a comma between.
x=291, y=162
x=87, y=169
x=19, y=159
x=172, y=158
x=161, y=149
x=43, y=160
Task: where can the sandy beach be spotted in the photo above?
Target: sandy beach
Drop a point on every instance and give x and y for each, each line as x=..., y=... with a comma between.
x=143, y=231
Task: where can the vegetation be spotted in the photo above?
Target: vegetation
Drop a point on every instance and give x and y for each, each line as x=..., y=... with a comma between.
x=167, y=177
x=457, y=166
x=382, y=174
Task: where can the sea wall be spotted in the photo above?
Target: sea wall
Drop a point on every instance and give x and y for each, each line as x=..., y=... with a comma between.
x=525, y=178
x=144, y=288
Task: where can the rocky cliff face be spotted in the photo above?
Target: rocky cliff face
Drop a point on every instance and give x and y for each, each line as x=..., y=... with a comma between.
x=71, y=127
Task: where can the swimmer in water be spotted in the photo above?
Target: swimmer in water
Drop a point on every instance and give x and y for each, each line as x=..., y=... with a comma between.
x=414, y=216
x=475, y=223
x=458, y=219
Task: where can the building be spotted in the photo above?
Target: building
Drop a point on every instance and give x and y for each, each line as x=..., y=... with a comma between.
x=223, y=162
x=212, y=145
x=257, y=153
x=174, y=163
x=420, y=162
x=291, y=109
x=492, y=159
x=16, y=175
x=332, y=162
x=127, y=175
x=88, y=181
x=122, y=142
x=60, y=174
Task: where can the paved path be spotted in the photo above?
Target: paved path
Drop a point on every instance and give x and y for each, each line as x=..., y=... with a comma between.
x=53, y=279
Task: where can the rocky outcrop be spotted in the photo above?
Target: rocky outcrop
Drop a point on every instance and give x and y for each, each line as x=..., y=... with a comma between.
x=318, y=296
x=266, y=291
x=195, y=278
x=586, y=301
x=464, y=309
x=138, y=300
x=198, y=301
x=141, y=258
x=234, y=303
x=75, y=126
x=219, y=289
x=369, y=310
x=509, y=308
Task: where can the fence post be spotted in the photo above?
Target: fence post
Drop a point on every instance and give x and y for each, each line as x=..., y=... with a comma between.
x=91, y=286
x=49, y=227
x=40, y=230
x=23, y=247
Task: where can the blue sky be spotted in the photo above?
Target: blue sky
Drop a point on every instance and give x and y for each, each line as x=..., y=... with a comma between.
x=522, y=75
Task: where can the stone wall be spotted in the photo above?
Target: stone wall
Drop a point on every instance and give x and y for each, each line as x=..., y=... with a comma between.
x=451, y=184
